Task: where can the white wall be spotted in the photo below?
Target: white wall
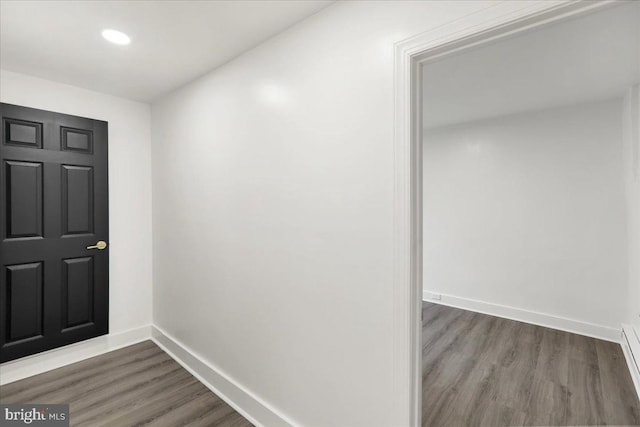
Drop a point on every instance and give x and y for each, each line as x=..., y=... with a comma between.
x=528, y=211
x=129, y=187
x=273, y=211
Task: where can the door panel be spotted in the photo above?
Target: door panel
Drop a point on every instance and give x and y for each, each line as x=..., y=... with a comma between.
x=23, y=187
x=77, y=199
x=77, y=291
x=22, y=132
x=80, y=140
x=24, y=300
x=53, y=204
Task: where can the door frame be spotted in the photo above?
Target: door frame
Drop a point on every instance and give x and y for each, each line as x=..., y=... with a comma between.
x=500, y=20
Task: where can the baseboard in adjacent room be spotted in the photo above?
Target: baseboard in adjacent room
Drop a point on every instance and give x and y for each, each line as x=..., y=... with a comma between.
x=631, y=349
x=56, y=358
x=533, y=317
x=246, y=403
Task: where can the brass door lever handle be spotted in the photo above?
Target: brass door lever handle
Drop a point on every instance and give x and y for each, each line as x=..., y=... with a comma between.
x=100, y=245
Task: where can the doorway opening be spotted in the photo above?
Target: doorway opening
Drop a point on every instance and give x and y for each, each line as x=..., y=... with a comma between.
x=529, y=191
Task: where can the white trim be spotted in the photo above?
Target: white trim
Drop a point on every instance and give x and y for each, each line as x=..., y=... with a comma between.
x=238, y=397
x=631, y=349
x=497, y=21
x=407, y=244
x=534, y=317
x=52, y=359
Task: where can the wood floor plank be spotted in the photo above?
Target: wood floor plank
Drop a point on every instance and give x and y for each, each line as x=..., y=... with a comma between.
x=212, y=419
x=124, y=396
x=136, y=385
x=583, y=349
x=620, y=401
x=151, y=410
x=547, y=404
x=52, y=380
x=518, y=363
x=192, y=412
x=553, y=359
x=586, y=400
x=67, y=389
x=480, y=370
x=127, y=386
x=498, y=414
x=144, y=408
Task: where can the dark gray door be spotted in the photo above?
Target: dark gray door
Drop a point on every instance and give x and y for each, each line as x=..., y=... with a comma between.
x=54, y=284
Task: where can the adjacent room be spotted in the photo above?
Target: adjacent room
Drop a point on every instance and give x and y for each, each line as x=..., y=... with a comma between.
x=530, y=182
x=282, y=213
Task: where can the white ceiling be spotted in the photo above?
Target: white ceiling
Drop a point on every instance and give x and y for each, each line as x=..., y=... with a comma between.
x=595, y=56
x=172, y=41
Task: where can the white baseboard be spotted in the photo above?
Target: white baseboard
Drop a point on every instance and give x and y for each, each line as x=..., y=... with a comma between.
x=52, y=359
x=242, y=400
x=533, y=317
x=631, y=349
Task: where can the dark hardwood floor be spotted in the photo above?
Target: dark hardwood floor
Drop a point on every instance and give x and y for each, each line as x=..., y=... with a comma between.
x=478, y=370
x=138, y=385
x=481, y=370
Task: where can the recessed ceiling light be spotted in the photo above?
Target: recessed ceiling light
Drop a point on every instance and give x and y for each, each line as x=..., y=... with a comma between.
x=117, y=37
